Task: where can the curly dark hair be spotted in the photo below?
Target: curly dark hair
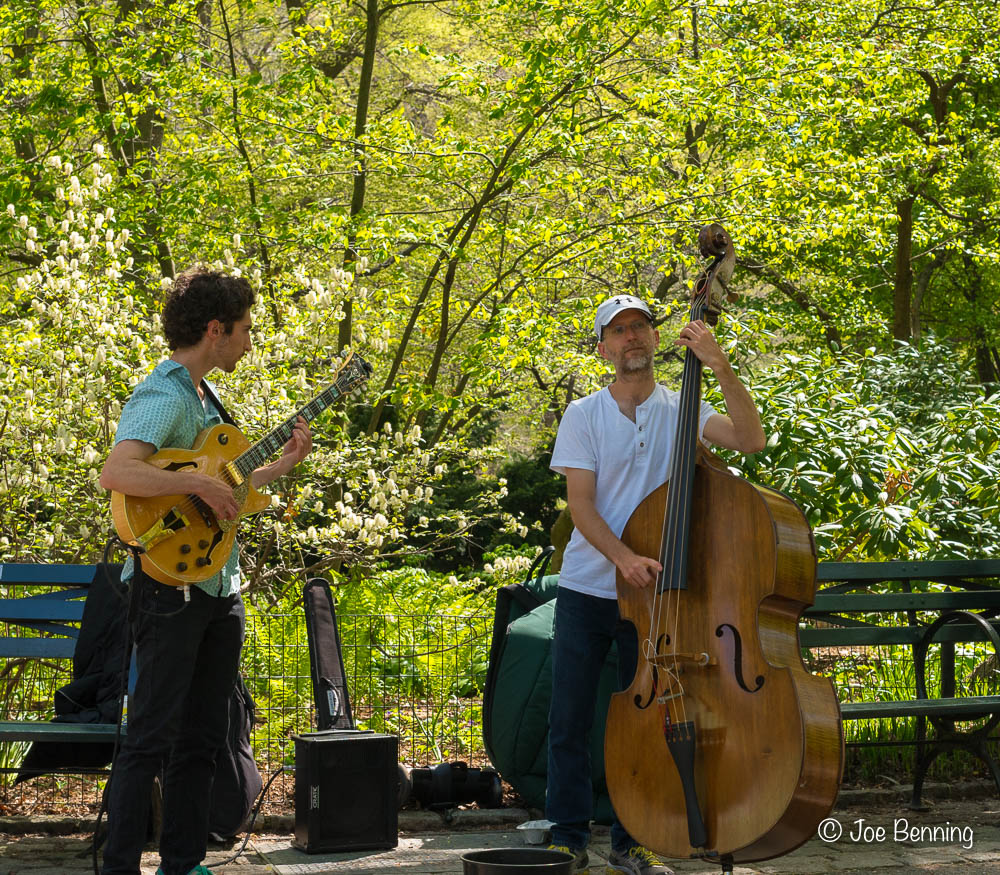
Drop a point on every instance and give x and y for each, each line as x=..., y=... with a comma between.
x=196, y=298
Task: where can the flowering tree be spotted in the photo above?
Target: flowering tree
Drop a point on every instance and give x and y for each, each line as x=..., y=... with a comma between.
x=76, y=342
x=447, y=188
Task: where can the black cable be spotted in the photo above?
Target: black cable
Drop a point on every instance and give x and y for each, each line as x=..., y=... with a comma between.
x=253, y=816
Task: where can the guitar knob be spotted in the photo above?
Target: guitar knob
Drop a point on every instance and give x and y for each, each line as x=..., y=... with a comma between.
x=203, y=544
x=185, y=548
x=182, y=566
x=201, y=561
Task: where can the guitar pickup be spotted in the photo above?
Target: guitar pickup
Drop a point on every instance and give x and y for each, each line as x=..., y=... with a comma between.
x=232, y=472
x=173, y=522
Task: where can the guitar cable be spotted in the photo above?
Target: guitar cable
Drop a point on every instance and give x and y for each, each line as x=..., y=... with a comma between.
x=253, y=816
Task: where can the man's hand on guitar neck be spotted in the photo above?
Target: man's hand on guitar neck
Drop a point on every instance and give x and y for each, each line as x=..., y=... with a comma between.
x=298, y=447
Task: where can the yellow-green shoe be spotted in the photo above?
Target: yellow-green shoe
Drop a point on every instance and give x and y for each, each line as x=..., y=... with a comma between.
x=636, y=860
x=197, y=870
x=581, y=860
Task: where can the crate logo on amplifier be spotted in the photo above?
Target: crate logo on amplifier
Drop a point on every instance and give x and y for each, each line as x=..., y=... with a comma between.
x=314, y=795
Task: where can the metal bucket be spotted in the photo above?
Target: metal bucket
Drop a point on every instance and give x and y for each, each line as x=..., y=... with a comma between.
x=517, y=861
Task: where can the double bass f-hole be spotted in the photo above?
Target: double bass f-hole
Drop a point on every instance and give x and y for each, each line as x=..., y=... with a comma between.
x=738, y=658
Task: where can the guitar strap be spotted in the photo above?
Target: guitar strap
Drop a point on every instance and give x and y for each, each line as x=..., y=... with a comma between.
x=211, y=396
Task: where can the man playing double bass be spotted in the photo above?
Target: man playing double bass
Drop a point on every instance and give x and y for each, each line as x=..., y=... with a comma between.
x=614, y=447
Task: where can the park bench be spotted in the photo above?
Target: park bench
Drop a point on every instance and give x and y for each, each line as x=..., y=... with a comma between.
x=863, y=605
x=52, y=609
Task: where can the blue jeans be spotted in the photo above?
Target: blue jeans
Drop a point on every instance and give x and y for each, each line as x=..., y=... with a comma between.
x=585, y=626
x=187, y=659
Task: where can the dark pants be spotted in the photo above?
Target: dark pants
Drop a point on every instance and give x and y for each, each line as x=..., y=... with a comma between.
x=178, y=716
x=585, y=626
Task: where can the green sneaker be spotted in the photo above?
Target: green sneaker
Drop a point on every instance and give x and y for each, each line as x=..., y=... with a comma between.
x=636, y=861
x=581, y=862
x=197, y=870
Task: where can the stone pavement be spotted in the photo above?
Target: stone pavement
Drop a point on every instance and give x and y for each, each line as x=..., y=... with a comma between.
x=868, y=833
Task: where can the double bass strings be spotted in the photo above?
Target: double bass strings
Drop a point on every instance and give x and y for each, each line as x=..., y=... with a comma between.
x=676, y=531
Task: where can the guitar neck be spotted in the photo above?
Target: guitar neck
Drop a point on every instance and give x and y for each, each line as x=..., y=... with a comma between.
x=352, y=373
x=274, y=440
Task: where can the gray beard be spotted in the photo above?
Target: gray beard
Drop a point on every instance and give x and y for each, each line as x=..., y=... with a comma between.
x=636, y=363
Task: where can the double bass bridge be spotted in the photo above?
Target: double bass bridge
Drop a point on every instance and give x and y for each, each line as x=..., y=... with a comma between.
x=672, y=659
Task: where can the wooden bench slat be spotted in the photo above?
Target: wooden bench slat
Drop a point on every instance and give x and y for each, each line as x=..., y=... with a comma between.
x=31, y=608
x=904, y=601
x=37, y=648
x=60, y=595
x=31, y=730
x=56, y=575
x=875, y=636
x=874, y=572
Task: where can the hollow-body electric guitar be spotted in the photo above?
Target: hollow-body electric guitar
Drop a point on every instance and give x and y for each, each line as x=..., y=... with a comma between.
x=182, y=540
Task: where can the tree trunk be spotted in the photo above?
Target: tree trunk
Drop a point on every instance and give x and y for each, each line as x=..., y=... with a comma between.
x=903, y=287
x=360, y=173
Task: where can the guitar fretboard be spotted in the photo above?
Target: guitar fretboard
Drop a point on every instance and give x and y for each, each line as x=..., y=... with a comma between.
x=350, y=375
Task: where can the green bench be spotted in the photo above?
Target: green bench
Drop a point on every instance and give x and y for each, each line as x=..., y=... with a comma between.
x=53, y=610
x=870, y=604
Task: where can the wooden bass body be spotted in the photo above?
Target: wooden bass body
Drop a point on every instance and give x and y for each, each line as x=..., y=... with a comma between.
x=183, y=541
x=768, y=750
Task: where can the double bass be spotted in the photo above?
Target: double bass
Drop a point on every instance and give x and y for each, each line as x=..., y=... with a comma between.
x=723, y=747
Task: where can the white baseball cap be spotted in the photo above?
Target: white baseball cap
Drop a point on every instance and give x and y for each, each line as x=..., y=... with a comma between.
x=611, y=307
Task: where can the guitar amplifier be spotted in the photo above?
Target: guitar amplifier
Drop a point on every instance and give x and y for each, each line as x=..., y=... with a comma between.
x=346, y=791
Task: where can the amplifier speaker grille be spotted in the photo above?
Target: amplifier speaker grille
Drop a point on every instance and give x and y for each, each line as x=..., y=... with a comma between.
x=346, y=791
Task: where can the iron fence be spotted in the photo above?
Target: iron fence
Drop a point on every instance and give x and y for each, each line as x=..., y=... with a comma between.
x=416, y=676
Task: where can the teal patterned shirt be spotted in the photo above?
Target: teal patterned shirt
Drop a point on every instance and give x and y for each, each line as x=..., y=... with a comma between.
x=165, y=410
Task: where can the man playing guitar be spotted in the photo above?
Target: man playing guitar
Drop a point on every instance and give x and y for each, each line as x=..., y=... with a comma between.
x=188, y=638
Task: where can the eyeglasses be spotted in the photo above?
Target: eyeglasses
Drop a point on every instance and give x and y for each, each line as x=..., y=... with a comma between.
x=637, y=327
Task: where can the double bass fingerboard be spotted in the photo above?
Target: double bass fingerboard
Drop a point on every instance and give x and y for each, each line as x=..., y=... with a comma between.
x=677, y=519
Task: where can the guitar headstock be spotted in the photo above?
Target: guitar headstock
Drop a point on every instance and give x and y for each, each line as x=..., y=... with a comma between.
x=352, y=373
x=712, y=283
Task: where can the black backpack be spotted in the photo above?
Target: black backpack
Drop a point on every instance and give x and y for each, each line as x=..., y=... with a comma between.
x=237, y=779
